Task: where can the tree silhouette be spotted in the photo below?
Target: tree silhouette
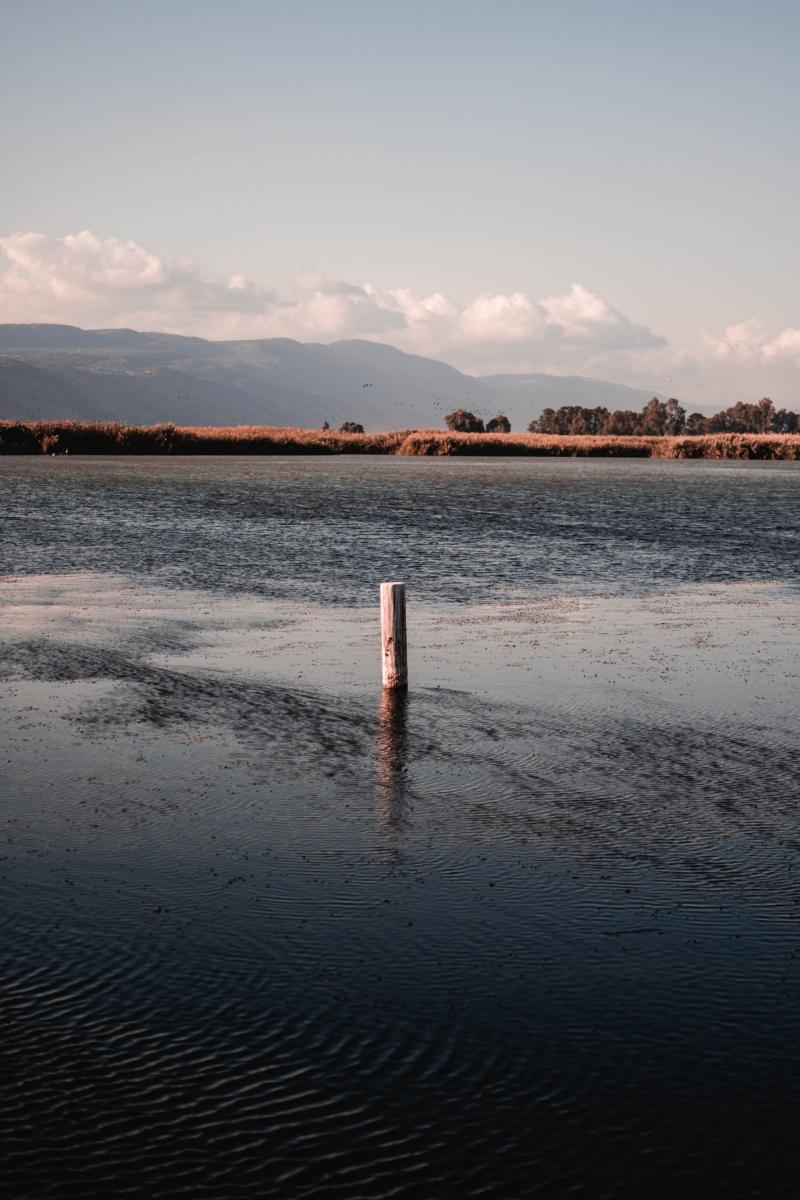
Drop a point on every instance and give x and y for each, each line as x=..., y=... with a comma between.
x=659, y=418
x=498, y=424
x=461, y=421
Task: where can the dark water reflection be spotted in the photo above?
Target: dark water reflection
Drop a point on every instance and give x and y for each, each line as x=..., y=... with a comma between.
x=529, y=930
x=392, y=761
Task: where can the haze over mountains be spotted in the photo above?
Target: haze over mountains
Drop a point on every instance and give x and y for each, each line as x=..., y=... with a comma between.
x=61, y=371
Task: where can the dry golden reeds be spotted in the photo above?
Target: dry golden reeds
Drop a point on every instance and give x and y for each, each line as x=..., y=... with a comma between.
x=75, y=437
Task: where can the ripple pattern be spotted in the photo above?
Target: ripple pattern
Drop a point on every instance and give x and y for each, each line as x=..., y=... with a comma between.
x=262, y=938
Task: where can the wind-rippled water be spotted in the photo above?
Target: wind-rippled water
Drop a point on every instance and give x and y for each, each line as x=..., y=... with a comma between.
x=327, y=529
x=530, y=931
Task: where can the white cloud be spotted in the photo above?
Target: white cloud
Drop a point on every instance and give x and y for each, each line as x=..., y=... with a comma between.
x=502, y=320
x=580, y=317
x=576, y=329
x=86, y=280
x=752, y=343
x=83, y=279
x=739, y=343
x=785, y=346
x=96, y=282
x=327, y=309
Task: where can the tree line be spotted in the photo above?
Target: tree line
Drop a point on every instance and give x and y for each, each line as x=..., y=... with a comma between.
x=658, y=418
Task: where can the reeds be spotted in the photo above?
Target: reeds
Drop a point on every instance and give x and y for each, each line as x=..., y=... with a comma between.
x=74, y=437
x=719, y=445
x=432, y=442
x=730, y=445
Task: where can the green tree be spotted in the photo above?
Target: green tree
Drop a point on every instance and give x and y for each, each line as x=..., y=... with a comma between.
x=654, y=417
x=462, y=421
x=675, y=422
x=766, y=413
x=696, y=423
x=623, y=422
x=498, y=424
x=545, y=423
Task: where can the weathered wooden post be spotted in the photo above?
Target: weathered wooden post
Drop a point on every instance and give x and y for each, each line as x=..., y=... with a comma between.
x=393, y=635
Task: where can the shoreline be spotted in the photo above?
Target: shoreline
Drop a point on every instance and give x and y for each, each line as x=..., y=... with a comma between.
x=75, y=437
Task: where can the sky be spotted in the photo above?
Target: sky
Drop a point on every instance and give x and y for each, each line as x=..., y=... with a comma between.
x=604, y=189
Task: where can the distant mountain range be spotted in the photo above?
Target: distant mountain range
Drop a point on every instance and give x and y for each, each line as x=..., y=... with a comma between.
x=61, y=371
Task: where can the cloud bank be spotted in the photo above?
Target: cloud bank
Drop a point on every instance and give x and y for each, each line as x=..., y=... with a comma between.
x=86, y=280
x=83, y=279
x=752, y=343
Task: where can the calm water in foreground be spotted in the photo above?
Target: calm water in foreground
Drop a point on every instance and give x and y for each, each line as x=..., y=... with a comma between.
x=532, y=931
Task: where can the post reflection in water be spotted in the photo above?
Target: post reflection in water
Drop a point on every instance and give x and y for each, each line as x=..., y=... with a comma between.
x=392, y=761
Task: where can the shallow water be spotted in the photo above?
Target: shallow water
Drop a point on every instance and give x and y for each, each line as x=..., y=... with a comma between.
x=532, y=931
x=461, y=530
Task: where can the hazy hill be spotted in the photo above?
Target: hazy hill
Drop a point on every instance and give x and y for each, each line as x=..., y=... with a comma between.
x=533, y=393
x=120, y=374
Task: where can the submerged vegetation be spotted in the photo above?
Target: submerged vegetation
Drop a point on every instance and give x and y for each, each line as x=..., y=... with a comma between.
x=72, y=437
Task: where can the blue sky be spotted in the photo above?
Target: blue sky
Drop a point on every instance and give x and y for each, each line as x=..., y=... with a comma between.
x=469, y=152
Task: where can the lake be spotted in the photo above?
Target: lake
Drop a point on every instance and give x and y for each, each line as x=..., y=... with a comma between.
x=530, y=930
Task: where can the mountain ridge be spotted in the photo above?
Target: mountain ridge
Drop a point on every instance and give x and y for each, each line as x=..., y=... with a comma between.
x=133, y=376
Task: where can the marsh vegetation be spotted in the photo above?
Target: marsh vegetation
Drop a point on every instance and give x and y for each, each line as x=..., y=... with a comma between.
x=72, y=437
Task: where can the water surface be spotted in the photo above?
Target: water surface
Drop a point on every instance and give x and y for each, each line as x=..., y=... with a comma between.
x=458, y=530
x=531, y=931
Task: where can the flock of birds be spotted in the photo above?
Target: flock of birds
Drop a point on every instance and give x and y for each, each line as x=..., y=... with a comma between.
x=437, y=402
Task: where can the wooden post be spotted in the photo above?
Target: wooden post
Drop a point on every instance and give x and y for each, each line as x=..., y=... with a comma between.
x=393, y=635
